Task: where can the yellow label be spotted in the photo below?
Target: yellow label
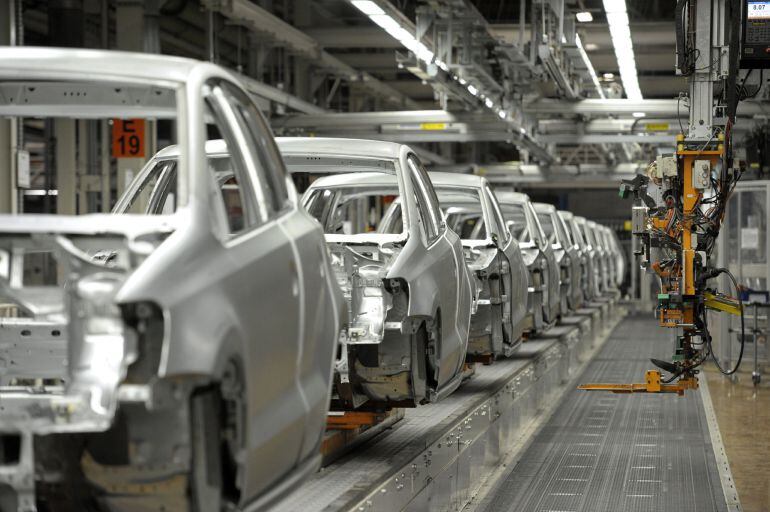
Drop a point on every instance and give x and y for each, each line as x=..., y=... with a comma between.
x=657, y=127
x=627, y=225
x=433, y=126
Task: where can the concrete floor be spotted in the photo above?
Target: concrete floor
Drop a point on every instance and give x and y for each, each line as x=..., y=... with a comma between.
x=743, y=414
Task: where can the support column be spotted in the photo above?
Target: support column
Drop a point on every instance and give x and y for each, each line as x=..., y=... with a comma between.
x=66, y=166
x=130, y=36
x=8, y=190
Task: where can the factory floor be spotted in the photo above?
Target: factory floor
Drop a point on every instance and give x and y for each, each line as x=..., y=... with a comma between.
x=743, y=415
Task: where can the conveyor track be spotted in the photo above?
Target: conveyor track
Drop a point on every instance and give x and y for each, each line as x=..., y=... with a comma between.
x=617, y=453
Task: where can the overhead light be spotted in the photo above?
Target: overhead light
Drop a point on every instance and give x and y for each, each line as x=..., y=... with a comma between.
x=394, y=28
x=501, y=113
x=608, y=76
x=617, y=18
x=584, y=17
x=367, y=7
x=473, y=90
x=441, y=64
x=489, y=103
x=591, y=47
x=638, y=114
x=462, y=81
x=589, y=66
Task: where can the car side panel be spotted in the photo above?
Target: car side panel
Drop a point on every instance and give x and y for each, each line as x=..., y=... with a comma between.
x=322, y=308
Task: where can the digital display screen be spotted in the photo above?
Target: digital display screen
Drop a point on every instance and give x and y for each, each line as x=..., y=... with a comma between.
x=758, y=10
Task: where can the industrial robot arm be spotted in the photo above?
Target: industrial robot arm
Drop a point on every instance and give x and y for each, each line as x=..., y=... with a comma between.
x=680, y=229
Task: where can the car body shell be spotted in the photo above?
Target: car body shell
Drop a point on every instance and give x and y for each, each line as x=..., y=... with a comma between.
x=587, y=262
x=593, y=255
x=596, y=233
x=495, y=261
x=620, y=257
x=218, y=306
x=539, y=257
x=399, y=286
x=566, y=254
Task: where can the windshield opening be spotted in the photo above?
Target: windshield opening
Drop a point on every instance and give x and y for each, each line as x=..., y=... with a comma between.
x=516, y=219
x=464, y=212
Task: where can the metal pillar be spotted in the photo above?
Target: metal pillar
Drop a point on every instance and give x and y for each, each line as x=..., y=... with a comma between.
x=8, y=127
x=66, y=166
x=702, y=81
x=131, y=35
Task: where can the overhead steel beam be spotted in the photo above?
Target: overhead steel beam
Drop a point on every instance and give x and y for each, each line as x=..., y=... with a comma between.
x=362, y=119
x=608, y=138
x=413, y=136
x=250, y=15
x=624, y=106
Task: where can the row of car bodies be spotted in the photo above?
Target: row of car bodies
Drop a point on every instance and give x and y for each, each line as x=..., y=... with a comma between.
x=202, y=327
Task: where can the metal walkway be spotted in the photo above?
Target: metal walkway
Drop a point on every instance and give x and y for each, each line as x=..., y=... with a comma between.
x=617, y=453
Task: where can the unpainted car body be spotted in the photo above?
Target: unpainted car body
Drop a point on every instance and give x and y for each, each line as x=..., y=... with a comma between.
x=185, y=340
x=566, y=254
x=587, y=274
x=544, y=279
x=593, y=255
x=620, y=257
x=494, y=259
x=596, y=234
x=408, y=290
x=609, y=256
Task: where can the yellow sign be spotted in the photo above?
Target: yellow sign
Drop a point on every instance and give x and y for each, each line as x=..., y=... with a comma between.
x=627, y=225
x=433, y=126
x=657, y=127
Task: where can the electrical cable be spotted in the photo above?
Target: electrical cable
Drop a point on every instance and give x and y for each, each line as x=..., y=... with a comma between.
x=743, y=326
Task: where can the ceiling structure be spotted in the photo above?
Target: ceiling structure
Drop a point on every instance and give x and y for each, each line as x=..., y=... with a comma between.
x=464, y=81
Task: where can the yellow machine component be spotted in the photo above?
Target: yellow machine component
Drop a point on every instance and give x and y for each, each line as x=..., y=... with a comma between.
x=722, y=303
x=652, y=384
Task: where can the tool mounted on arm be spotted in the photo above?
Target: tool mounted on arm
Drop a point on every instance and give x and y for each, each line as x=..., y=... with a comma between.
x=679, y=221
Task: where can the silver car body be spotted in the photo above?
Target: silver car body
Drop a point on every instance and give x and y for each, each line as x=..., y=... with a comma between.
x=594, y=230
x=609, y=255
x=494, y=259
x=544, y=282
x=157, y=305
x=566, y=254
x=620, y=257
x=587, y=286
x=409, y=292
x=592, y=254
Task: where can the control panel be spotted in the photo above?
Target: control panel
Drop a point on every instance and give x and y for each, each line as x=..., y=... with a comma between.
x=755, y=39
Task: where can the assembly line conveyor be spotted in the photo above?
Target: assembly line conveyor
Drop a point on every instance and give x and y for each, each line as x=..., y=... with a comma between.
x=492, y=446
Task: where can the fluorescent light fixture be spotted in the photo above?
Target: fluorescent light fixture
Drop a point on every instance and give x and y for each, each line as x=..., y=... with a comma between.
x=501, y=114
x=462, y=81
x=584, y=17
x=617, y=18
x=367, y=7
x=589, y=66
x=638, y=114
x=441, y=64
x=394, y=28
x=473, y=90
x=591, y=47
x=489, y=103
x=608, y=76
